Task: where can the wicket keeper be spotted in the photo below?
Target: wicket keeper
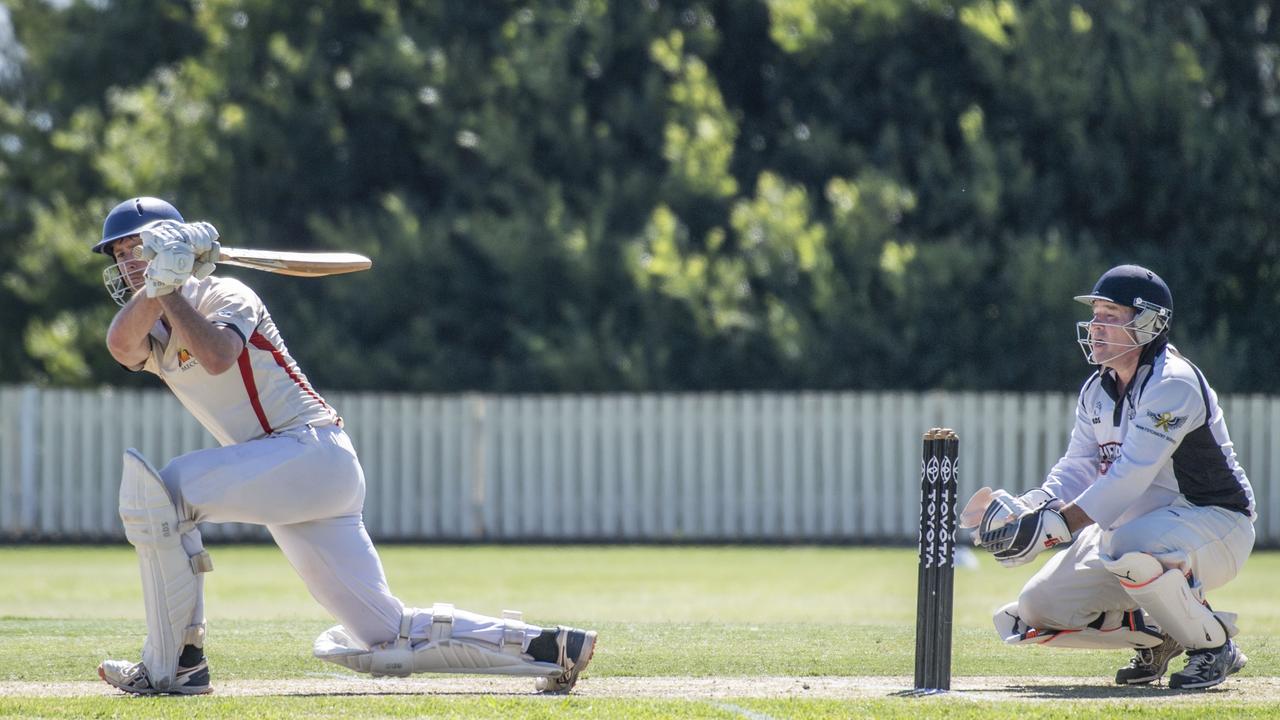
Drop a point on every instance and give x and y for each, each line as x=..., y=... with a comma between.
x=1151, y=493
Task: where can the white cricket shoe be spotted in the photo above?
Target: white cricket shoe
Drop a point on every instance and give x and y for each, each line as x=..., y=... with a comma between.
x=132, y=678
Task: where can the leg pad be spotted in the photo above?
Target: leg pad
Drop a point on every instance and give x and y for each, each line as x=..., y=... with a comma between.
x=438, y=653
x=172, y=588
x=1167, y=597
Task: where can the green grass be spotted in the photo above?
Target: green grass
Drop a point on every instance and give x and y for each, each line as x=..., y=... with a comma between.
x=665, y=611
x=468, y=708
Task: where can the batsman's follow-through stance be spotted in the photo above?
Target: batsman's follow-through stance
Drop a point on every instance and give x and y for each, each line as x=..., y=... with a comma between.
x=285, y=463
x=1151, y=493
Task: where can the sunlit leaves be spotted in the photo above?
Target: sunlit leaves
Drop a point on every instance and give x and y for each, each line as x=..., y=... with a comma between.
x=994, y=20
x=700, y=132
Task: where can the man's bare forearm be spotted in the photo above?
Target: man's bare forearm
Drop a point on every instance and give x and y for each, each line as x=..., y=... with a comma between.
x=127, y=335
x=1077, y=519
x=214, y=346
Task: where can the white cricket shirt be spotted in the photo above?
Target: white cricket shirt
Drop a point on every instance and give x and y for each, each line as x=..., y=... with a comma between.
x=1164, y=438
x=263, y=393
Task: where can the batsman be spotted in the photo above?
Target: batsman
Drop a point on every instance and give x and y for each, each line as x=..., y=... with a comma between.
x=285, y=462
x=1150, y=492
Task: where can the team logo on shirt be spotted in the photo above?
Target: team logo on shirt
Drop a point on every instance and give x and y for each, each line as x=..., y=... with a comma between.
x=1108, y=454
x=1166, y=421
x=185, y=361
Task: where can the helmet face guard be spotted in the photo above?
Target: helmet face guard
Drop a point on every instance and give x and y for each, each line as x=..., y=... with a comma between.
x=1130, y=286
x=126, y=219
x=117, y=282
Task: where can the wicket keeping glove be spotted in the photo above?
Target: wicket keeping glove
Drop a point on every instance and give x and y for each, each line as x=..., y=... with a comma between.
x=1037, y=531
x=1035, y=497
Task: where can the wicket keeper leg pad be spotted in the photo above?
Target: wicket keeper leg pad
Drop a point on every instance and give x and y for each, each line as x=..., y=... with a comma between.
x=1180, y=562
x=1115, y=629
x=1171, y=601
x=439, y=653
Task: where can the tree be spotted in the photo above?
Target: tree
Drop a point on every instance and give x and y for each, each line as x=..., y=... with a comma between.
x=585, y=196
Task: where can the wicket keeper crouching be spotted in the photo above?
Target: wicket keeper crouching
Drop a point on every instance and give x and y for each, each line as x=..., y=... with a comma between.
x=285, y=462
x=1150, y=491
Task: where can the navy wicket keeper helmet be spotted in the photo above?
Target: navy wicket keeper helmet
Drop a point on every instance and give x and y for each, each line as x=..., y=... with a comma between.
x=130, y=216
x=1136, y=287
x=1127, y=284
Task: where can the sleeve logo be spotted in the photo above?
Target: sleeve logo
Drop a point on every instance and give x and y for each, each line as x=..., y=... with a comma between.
x=1166, y=421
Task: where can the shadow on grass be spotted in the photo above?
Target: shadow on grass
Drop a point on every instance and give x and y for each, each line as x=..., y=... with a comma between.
x=1088, y=692
x=420, y=693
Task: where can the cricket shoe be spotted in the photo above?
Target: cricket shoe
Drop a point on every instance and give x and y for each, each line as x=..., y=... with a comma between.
x=192, y=679
x=1208, y=667
x=1149, y=664
x=567, y=647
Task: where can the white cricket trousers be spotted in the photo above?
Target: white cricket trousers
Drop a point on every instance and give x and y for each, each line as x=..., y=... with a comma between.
x=306, y=486
x=1210, y=543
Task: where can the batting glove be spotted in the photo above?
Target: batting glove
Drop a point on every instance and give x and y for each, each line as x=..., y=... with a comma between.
x=201, y=237
x=169, y=267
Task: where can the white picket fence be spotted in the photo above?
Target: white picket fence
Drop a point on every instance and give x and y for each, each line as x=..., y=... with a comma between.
x=692, y=467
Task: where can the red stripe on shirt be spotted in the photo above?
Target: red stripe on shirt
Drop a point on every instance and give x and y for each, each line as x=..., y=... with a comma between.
x=250, y=387
x=261, y=342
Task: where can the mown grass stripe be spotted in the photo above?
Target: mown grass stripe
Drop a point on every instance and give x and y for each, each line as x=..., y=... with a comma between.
x=749, y=714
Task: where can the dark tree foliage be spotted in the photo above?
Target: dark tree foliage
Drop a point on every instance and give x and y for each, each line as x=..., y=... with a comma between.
x=586, y=196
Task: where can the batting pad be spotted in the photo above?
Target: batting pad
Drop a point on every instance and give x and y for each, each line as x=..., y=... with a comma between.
x=440, y=653
x=1170, y=600
x=1116, y=630
x=172, y=589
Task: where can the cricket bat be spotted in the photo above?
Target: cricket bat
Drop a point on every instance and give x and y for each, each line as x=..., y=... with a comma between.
x=300, y=264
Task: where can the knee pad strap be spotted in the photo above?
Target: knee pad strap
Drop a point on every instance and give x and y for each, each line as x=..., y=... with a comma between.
x=396, y=659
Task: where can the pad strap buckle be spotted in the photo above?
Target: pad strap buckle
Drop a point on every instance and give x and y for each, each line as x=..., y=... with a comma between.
x=201, y=562
x=194, y=635
x=441, y=622
x=513, y=632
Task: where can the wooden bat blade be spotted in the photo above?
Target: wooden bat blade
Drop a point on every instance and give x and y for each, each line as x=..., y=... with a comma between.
x=300, y=264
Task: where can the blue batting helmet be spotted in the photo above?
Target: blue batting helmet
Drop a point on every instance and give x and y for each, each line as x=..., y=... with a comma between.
x=130, y=216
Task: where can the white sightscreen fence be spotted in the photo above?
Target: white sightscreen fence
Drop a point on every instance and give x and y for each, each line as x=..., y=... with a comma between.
x=699, y=467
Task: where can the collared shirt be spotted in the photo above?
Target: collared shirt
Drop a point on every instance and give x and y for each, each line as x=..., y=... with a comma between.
x=265, y=392
x=1164, y=438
